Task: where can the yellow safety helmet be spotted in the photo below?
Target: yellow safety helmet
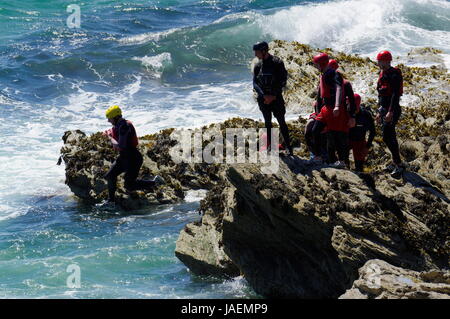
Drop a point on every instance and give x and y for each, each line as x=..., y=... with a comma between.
x=113, y=111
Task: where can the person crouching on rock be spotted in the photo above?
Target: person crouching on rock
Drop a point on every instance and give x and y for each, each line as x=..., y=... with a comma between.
x=390, y=88
x=310, y=140
x=363, y=122
x=124, y=139
x=269, y=78
x=333, y=114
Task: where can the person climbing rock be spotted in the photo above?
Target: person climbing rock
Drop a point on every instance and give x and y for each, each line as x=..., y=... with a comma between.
x=269, y=78
x=363, y=123
x=390, y=89
x=124, y=139
x=333, y=114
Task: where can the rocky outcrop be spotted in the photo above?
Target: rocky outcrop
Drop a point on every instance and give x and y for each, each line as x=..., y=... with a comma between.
x=88, y=158
x=380, y=280
x=305, y=231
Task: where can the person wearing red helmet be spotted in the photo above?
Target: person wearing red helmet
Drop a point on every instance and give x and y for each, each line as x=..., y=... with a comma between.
x=333, y=64
x=363, y=122
x=269, y=78
x=333, y=114
x=390, y=89
x=348, y=93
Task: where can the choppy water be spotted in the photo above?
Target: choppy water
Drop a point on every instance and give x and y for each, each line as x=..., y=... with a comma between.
x=168, y=64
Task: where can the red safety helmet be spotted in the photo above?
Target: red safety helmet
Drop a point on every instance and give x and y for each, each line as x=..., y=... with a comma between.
x=321, y=59
x=357, y=101
x=384, y=56
x=333, y=64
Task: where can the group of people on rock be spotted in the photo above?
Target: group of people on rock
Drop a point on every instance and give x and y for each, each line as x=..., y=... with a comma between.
x=339, y=122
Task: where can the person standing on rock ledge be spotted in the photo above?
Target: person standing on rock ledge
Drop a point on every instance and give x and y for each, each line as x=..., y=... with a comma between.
x=124, y=139
x=333, y=114
x=390, y=89
x=363, y=123
x=269, y=78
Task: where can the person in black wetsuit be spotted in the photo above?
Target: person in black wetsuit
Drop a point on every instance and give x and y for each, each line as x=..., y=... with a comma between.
x=363, y=122
x=124, y=139
x=390, y=88
x=310, y=139
x=269, y=78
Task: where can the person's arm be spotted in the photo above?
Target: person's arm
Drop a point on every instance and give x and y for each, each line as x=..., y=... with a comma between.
x=281, y=76
x=351, y=99
x=109, y=134
x=256, y=87
x=395, y=84
x=338, y=103
x=114, y=142
x=124, y=132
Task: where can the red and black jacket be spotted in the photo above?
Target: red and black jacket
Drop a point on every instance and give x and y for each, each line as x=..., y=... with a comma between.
x=328, y=83
x=390, y=88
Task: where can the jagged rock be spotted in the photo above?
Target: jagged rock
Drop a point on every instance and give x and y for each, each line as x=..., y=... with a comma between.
x=380, y=280
x=88, y=158
x=200, y=246
x=305, y=231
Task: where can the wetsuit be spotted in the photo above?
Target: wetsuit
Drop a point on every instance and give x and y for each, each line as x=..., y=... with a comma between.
x=129, y=160
x=357, y=135
x=390, y=88
x=311, y=140
x=336, y=127
x=269, y=78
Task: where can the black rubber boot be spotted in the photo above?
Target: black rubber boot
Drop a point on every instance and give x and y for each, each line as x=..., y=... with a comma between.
x=359, y=166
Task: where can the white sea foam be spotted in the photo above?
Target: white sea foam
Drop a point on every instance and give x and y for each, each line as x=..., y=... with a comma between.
x=195, y=195
x=447, y=61
x=155, y=64
x=358, y=26
x=146, y=37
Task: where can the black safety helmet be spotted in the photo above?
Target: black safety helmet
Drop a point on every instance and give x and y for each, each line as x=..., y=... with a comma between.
x=261, y=46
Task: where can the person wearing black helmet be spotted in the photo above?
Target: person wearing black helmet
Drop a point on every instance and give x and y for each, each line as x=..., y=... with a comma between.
x=269, y=78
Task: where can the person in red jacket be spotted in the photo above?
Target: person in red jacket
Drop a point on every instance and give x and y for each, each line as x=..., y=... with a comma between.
x=390, y=89
x=124, y=139
x=333, y=113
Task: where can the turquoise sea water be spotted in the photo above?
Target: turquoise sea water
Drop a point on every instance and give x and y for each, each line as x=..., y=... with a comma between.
x=168, y=64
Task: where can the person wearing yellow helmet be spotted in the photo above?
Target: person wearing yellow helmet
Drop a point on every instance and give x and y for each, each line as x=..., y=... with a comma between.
x=113, y=112
x=124, y=139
